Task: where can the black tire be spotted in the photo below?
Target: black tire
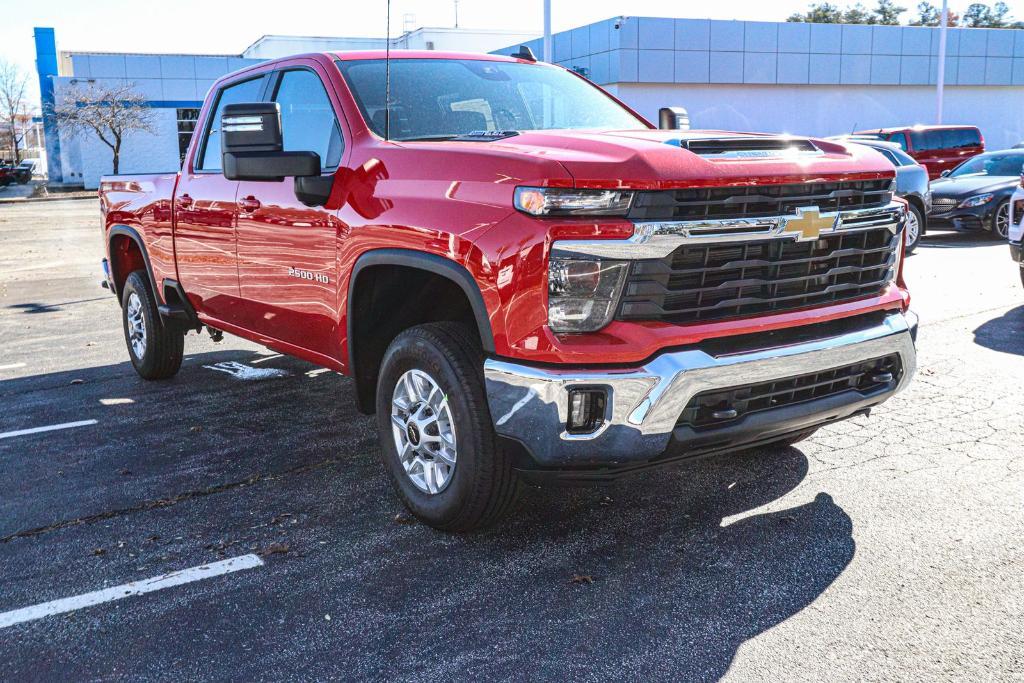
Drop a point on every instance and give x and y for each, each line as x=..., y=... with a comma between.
x=482, y=485
x=162, y=348
x=997, y=218
x=911, y=246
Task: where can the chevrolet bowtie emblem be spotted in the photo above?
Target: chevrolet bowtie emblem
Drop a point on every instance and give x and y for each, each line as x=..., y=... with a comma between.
x=808, y=224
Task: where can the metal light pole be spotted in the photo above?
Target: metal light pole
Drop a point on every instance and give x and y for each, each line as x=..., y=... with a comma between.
x=547, y=30
x=941, y=80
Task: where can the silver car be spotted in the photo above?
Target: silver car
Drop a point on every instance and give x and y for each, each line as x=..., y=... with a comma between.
x=911, y=184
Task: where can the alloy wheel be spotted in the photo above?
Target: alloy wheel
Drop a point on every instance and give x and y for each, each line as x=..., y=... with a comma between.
x=913, y=228
x=136, y=325
x=424, y=431
x=1003, y=220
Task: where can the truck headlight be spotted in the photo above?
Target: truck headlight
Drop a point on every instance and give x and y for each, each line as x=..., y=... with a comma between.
x=557, y=201
x=583, y=293
x=976, y=200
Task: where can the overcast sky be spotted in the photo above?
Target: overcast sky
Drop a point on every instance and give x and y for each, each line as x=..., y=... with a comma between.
x=210, y=26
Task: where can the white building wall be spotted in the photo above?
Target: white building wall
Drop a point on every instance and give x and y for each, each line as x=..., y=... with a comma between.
x=820, y=110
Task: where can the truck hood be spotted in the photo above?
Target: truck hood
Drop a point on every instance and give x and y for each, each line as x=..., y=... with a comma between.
x=657, y=159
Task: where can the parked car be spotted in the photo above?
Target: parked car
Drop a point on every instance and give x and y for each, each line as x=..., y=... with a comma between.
x=6, y=175
x=976, y=194
x=911, y=184
x=525, y=279
x=1016, y=230
x=23, y=172
x=937, y=148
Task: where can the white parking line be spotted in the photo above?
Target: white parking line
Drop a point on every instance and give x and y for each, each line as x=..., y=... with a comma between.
x=47, y=428
x=12, y=366
x=203, y=571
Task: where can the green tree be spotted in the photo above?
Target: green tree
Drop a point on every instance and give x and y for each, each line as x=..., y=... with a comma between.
x=979, y=15
x=930, y=15
x=820, y=13
x=887, y=12
x=857, y=14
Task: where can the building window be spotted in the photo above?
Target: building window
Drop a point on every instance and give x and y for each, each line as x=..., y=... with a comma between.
x=186, y=126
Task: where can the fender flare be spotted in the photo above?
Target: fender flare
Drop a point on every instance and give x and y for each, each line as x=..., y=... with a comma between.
x=431, y=263
x=133, y=235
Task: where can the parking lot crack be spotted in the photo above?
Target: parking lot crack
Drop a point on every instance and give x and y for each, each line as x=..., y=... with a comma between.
x=159, y=503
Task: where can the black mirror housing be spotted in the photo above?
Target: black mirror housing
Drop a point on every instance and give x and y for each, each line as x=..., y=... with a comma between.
x=252, y=145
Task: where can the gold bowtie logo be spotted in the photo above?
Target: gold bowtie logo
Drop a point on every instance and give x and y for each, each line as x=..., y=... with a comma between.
x=808, y=224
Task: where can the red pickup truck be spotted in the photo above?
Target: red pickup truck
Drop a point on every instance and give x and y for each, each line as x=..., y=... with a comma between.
x=524, y=278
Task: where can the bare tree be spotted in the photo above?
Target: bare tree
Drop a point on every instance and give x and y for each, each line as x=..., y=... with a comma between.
x=110, y=112
x=13, y=104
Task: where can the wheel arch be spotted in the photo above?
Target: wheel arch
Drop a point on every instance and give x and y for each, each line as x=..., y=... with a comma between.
x=363, y=361
x=119, y=271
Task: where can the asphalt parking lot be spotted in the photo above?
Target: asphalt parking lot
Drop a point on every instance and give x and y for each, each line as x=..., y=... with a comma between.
x=888, y=547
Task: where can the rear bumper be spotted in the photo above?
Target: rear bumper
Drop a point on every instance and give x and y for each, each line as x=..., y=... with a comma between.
x=530, y=404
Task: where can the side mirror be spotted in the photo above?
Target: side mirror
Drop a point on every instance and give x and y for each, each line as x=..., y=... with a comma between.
x=252, y=145
x=944, y=173
x=673, y=118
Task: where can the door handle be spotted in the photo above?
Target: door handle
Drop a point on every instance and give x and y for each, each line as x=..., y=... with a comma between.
x=249, y=204
x=184, y=201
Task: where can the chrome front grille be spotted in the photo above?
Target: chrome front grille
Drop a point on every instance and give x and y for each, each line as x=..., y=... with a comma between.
x=717, y=279
x=943, y=204
x=759, y=200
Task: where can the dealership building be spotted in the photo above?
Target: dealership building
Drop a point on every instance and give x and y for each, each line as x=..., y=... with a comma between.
x=809, y=79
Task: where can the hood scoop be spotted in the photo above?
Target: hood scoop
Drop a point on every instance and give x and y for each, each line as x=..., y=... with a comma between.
x=753, y=147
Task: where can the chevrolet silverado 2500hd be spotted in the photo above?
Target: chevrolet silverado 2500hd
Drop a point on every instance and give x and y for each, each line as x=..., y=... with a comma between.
x=524, y=278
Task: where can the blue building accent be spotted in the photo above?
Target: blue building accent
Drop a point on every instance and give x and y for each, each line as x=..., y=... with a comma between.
x=46, y=66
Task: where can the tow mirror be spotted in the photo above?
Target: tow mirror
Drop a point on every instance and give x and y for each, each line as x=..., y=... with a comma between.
x=673, y=118
x=252, y=145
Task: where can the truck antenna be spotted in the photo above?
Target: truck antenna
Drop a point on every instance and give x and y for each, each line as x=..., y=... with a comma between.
x=387, y=77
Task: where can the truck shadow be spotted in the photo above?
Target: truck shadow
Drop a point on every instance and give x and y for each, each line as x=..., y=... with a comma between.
x=1005, y=333
x=665, y=576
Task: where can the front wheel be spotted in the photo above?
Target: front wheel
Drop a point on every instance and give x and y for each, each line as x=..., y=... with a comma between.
x=155, y=350
x=1001, y=221
x=437, y=439
x=915, y=222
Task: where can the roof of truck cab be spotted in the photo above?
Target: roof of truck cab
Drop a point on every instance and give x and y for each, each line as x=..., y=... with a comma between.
x=350, y=55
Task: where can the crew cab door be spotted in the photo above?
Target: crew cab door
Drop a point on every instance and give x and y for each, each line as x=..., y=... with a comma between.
x=287, y=251
x=205, y=214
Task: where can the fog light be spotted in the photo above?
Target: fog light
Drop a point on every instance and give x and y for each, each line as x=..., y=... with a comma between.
x=586, y=410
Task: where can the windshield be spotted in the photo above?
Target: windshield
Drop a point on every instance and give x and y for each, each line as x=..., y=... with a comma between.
x=990, y=164
x=436, y=99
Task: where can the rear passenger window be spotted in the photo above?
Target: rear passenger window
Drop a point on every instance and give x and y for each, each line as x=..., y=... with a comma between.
x=969, y=137
x=308, y=122
x=236, y=93
x=900, y=139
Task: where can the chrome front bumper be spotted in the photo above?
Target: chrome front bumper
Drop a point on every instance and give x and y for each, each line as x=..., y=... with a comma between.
x=530, y=404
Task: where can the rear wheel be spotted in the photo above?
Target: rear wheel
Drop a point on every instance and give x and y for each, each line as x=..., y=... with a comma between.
x=156, y=351
x=437, y=439
x=1001, y=221
x=915, y=221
